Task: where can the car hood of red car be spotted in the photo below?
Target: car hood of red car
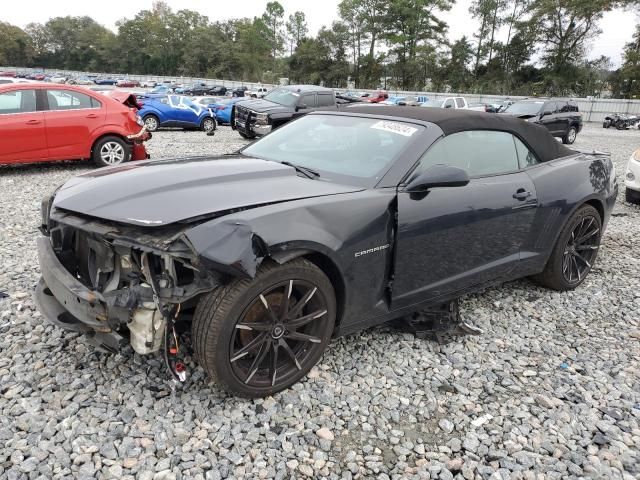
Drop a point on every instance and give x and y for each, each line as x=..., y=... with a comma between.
x=162, y=192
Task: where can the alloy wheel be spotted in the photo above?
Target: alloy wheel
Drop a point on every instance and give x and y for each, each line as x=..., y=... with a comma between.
x=581, y=249
x=208, y=124
x=112, y=153
x=572, y=135
x=151, y=123
x=279, y=334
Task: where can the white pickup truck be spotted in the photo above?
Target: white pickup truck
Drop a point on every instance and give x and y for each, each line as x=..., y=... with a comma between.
x=258, y=92
x=450, y=102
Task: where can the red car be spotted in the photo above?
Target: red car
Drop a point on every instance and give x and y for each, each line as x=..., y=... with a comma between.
x=8, y=74
x=126, y=83
x=378, y=97
x=45, y=122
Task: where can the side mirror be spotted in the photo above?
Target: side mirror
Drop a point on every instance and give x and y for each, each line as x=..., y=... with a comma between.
x=438, y=176
x=448, y=106
x=302, y=106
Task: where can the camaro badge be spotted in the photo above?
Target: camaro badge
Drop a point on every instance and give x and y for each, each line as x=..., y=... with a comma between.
x=371, y=250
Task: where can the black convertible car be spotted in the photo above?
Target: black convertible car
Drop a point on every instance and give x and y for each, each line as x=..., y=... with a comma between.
x=335, y=222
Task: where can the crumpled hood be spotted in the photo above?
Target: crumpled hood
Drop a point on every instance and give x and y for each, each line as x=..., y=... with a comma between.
x=162, y=192
x=260, y=105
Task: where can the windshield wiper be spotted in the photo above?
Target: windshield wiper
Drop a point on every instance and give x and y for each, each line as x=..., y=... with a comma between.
x=307, y=172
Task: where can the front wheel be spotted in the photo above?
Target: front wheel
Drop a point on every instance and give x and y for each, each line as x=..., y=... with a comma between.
x=632, y=196
x=570, y=137
x=111, y=151
x=247, y=136
x=258, y=336
x=575, y=251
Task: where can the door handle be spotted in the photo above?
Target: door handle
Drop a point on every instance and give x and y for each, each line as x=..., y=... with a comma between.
x=33, y=122
x=92, y=115
x=521, y=194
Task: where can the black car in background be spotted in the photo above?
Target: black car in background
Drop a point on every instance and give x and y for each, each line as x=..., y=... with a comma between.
x=560, y=117
x=256, y=117
x=239, y=91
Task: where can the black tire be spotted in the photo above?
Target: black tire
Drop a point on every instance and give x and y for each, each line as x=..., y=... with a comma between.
x=564, y=270
x=240, y=358
x=620, y=125
x=631, y=196
x=570, y=136
x=208, y=124
x=247, y=136
x=606, y=124
x=151, y=122
x=109, y=151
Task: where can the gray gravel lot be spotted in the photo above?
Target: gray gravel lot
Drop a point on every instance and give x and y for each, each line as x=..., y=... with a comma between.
x=550, y=390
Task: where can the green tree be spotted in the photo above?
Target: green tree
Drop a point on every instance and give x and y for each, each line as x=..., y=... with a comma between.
x=457, y=68
x=296, y=29
x=630, y=71
x=273, y=19
x=409, y=25
x=16, y=47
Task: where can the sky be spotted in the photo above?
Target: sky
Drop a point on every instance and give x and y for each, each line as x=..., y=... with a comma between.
x=617, y=27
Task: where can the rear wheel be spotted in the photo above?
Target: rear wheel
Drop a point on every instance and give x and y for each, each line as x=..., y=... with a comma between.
x=258, y=336
x=575, y=252
x=111, y=151
x=208, y=124
x=151, y=122
x=570, y=136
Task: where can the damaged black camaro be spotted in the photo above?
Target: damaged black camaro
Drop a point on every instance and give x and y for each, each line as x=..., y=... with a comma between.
x=335, y=222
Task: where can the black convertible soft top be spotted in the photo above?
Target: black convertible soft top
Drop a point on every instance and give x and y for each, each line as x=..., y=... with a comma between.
x=451, y=121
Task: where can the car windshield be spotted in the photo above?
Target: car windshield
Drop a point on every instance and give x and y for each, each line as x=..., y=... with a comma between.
x=283, y=97
x=432, y=103
x=525, y=108
x=344, y=149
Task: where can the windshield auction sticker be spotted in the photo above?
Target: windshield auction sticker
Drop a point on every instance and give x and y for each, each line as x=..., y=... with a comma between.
x=395, y=127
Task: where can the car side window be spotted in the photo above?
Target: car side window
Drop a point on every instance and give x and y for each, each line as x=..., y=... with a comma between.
x=325, y=100
x=526, y=157
x=309, y=100
x=479, y=152
x=565, y=107
x=68, y=100
x=460, y=102
x=550, y=107
x=449, y=103
x=18, y=101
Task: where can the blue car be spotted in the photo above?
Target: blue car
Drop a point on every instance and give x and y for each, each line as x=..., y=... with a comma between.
x=221, y=107
x=175, y=111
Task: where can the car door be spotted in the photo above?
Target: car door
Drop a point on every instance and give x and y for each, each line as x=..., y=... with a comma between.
x=22, y=126
x=550, y=117
x=455, y=238
x=449, y=103
x=71, y=118
x=191, y=111
x=306, y=103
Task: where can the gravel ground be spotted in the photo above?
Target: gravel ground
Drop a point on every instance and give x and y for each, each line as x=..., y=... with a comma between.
x=550, y=390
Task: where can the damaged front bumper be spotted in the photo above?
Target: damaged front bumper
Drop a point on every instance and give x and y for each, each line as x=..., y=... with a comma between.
x=138, y=150
x=98, y=281
x=68, y=304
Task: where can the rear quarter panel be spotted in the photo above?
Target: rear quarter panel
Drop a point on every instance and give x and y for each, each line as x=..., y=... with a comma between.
x=562, y=186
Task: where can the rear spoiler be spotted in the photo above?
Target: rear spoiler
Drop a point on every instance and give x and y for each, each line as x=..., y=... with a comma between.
x=586, y=151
